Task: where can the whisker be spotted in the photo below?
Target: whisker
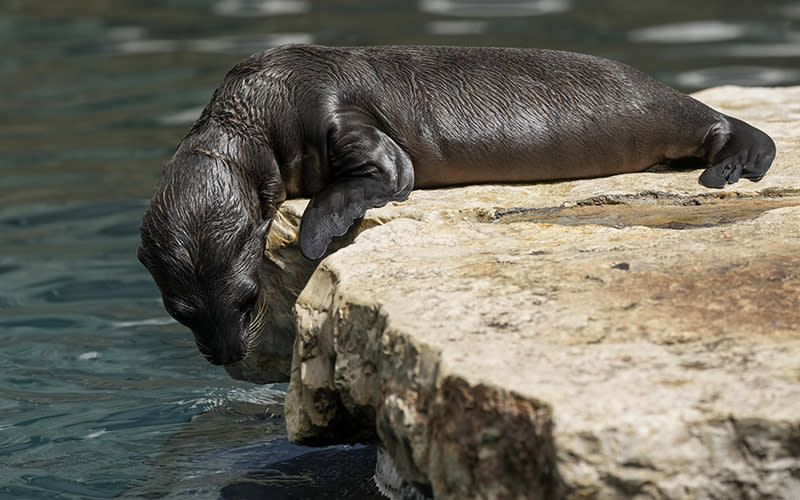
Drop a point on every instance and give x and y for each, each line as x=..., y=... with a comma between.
x=256, y=326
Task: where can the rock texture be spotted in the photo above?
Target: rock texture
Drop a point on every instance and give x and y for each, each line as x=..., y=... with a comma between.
x=636, y=336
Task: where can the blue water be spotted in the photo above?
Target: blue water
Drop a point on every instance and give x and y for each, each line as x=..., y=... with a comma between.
x=101, y=393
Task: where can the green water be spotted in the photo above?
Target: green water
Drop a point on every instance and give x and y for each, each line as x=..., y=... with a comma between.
x=101, y=393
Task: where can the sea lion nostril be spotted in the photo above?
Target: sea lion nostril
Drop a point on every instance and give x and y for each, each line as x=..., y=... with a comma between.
x=225, y=354
x=229, y=349
x=232, y=356
x=221, y=347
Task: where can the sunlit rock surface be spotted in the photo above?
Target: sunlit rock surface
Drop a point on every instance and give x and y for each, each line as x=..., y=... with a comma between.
x=636, y=336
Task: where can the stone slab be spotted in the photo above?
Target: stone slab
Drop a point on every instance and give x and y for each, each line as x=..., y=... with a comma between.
x=636, y=336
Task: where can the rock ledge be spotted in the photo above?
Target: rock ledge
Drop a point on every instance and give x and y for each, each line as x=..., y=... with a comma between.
x=636, y=336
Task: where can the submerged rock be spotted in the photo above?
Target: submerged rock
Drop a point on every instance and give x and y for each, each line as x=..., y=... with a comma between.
x=635, y=336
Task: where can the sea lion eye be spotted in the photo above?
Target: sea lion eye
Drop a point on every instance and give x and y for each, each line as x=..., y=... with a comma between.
x=178, y=310
x=250, y=298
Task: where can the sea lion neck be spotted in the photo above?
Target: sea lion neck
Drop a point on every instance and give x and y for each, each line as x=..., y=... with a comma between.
x=256, y=109
x=250, y=162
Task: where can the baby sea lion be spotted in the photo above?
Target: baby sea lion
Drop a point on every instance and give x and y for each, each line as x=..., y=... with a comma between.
x=355, y=128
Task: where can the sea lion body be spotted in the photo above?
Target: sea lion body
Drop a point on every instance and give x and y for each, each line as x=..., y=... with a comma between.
x=485, y=115
x=355, y=128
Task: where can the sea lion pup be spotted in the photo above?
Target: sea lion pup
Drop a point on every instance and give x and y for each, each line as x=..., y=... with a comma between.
x=355, y=128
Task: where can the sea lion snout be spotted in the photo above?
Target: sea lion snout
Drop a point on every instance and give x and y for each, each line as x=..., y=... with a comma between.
x=231, y=325
x=224, y=328
x=224, y=315
x=223, y=346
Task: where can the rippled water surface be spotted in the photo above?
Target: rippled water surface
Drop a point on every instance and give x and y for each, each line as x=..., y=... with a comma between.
x=101, y=394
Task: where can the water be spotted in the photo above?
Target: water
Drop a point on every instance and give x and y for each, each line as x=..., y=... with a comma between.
x=101, y=394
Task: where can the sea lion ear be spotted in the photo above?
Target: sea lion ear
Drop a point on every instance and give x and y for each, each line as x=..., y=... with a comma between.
x=383, y=173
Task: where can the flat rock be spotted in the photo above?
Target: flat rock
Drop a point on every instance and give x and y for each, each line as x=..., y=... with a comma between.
x=634, y=336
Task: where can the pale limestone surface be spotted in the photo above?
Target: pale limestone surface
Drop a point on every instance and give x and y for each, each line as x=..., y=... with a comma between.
x=636, y=336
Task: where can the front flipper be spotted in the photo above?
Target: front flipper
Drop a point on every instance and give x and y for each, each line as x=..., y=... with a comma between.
x=741, y=151
x=369, y=170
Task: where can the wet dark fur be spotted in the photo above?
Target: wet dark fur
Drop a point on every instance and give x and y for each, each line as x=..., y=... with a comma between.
x=356, y=128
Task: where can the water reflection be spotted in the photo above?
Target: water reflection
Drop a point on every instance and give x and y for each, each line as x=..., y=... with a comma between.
x=473, y=8
x=791, y=49
x=743, y=75
x=261, y=7
x=691, y=32
x=183, y=117
x=459, y=27
x=223, y=45
x=791, y=11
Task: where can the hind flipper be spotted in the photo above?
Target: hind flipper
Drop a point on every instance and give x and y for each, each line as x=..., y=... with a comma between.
x=736, y=149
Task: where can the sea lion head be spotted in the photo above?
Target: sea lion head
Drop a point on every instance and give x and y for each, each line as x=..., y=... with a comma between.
x=202, y=239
